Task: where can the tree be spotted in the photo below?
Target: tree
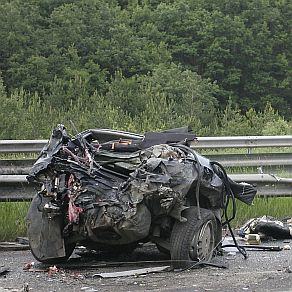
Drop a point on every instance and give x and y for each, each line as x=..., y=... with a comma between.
x=181, y=92
x=242, y=45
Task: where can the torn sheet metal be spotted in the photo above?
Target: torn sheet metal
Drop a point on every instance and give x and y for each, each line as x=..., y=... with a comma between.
x=132, y=272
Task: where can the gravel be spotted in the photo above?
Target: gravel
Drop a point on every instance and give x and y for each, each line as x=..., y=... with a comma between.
x=261, y=271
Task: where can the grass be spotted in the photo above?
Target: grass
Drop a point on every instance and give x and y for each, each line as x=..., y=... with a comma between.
x=275, y=207
x=12, y=219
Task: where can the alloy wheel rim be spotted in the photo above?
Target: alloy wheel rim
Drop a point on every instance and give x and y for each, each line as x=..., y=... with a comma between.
x=202, y=245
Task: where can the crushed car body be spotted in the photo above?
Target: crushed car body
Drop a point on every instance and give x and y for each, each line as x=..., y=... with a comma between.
x=110, y=190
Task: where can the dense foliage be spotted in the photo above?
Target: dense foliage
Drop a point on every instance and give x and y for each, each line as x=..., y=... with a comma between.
x=223, y=67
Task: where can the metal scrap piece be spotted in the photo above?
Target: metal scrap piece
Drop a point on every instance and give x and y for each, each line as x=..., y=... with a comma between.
x=132, y=272
x=4, y=271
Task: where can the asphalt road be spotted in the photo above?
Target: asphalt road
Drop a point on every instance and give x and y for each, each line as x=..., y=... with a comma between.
x=261, y=271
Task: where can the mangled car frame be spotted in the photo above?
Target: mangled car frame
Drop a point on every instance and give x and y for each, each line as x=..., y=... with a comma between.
x=110, y=190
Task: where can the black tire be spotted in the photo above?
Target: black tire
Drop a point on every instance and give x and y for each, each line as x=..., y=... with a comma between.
x=69, y=248
x=45, y=234
x=163, y=249
x=193, y=240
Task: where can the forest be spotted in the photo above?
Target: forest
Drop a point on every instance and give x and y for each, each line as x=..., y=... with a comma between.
x=221, y=67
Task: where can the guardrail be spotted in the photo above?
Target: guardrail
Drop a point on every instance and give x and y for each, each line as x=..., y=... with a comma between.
x=23, y=146
x=14, y=187
x=243, y=142
x=265, y=162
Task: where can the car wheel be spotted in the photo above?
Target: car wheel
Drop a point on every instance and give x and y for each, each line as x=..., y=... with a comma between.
x=46, y=242
x=193, y=240
x=69, y=248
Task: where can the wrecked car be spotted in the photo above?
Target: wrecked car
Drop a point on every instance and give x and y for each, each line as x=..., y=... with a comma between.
x=110, y=190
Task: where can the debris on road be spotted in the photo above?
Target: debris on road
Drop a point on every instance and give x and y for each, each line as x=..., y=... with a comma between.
x=53, y=270
x=4, y=271
x=229, y=247
x=253, y=239
x=267, y=227
x=287, y=247
x=28, y=266
x=13, y=246
x=132, y=272
x=25, y=287
x=22, y=240
x=263, y=271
